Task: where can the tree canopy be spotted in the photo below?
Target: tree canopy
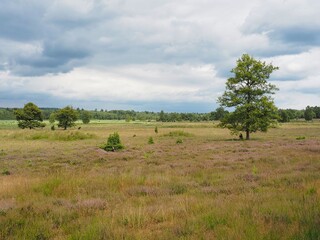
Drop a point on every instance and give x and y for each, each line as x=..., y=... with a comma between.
x=85, y=116
x=30, y=116
x=248, y=92
x=66, y=117
x=309, y=114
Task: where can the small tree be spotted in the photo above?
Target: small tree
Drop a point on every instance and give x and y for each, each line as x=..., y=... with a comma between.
x=156, y=129
x=85, y=117
x=150, y=140
x=162, y=116
x=52, y=118
x=113, y=143
x=66, y=117
x=29, y=117
x=248, y=92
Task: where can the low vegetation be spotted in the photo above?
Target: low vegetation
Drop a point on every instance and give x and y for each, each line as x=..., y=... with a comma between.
x=212, y=186
x=113, y=143
x=178, y=133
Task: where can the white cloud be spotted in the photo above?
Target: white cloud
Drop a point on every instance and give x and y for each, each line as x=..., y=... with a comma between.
x=298, y=66
x=153, y=82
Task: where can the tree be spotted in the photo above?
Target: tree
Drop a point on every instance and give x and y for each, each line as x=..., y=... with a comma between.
x=66, y=117
x=284, y=116
x=249, y=93
x=29, y=117
x=85, y=117
x=162, y=117
x=52, y=118
x=309, y=114
x=219, y=113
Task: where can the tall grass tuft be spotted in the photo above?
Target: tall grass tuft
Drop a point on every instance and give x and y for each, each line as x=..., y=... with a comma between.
x=178, y=133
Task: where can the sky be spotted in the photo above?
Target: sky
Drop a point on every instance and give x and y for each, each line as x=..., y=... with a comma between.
x=144, y=55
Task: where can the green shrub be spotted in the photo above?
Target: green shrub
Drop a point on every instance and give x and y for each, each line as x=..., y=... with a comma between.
x=179, y=141
x=3, y=153
x=150, y=140
x=113, y=143
x=156, y=129
x=301, y=138
x=6, y=172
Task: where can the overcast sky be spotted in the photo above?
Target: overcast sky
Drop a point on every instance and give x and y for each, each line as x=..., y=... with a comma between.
x=169, y=55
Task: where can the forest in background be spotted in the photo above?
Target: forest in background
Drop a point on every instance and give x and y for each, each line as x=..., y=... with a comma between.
x=285, y=115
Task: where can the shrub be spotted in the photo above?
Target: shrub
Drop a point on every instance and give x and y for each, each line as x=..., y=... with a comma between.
x=113, y=143
x=6, y=172
x=150, y=140
x=156, y=129
x=301, y=138
x=3, y=153
x=179, y=141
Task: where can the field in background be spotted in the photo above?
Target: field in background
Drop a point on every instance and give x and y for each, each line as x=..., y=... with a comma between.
x=195, y=182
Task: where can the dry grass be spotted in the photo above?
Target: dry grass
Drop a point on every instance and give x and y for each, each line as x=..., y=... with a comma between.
x=210, y=186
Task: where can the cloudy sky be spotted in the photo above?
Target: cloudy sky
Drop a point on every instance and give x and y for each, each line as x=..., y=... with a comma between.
x=169, y=55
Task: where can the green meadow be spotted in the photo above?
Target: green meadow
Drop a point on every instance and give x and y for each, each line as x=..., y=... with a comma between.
x=193, y=181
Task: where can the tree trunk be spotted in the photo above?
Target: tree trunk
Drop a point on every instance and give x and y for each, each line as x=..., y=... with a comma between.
x=247, y=135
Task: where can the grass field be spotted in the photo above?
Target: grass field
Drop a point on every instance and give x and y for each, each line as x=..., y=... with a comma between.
x=194, y=182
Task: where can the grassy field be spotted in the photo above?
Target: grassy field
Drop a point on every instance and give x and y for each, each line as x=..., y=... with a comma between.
x=194, y=182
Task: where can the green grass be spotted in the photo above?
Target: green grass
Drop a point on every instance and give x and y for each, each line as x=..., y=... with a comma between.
x=61, y=185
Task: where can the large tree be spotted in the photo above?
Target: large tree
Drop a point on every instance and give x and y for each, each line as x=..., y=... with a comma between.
x=248, y=92
x=30, y=116
x=66, y=117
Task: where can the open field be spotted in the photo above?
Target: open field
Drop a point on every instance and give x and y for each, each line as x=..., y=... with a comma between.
x=61, y=185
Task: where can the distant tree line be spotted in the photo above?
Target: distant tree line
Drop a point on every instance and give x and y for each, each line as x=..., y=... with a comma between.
x=285, y=115
x=127, y=115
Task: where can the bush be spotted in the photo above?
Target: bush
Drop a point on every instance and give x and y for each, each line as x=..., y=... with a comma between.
x=179, y=141
x=113, y=143
x=6, y=172
x=150, y=140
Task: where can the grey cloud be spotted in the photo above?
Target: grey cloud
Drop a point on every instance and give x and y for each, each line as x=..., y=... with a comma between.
x=135, y=36
x=291, y=26
x=41, y=38
x=308, y=36
x=22, y=20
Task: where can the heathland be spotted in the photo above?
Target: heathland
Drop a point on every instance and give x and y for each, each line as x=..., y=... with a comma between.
x=192, y=181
